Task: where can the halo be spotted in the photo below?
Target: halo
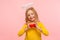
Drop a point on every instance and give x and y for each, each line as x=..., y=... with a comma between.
x=28, y=5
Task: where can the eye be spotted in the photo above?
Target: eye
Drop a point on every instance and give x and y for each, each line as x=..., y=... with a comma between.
x=28, y=15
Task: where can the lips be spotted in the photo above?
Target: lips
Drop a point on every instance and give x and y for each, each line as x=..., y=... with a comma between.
x=31, y=18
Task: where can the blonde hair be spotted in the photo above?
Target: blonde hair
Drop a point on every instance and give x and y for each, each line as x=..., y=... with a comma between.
x=31, y=8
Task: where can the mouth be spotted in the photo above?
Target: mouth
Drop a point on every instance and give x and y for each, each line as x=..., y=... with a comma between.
x=32, y=18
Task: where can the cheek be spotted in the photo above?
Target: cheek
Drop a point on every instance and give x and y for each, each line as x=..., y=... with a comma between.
x=28, y=17
x=34, y=18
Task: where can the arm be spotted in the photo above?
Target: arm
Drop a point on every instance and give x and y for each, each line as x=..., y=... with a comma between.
x=43, y=29
x=22, y=31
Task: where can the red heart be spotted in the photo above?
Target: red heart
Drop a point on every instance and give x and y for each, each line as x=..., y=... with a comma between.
x=32, y=25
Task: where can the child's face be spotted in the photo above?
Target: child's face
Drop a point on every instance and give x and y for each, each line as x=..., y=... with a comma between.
x=31, y=15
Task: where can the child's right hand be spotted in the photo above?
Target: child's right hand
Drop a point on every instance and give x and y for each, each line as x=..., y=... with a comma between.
x=27, y=27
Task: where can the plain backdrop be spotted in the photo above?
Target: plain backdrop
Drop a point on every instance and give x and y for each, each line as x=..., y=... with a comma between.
x=12, y=18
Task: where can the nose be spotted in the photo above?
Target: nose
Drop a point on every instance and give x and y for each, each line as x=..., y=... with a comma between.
x=31, y=15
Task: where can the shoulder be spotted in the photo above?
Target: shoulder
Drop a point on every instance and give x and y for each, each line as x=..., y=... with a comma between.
x=39, y=23
x=25, y=24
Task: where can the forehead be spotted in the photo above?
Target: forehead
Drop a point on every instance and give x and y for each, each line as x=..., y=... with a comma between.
x=29, y=12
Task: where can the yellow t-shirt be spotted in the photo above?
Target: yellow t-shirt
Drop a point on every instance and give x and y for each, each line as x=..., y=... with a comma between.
x=33, y=33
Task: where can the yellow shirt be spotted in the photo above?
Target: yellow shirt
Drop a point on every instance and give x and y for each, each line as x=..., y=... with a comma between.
x=33, y=33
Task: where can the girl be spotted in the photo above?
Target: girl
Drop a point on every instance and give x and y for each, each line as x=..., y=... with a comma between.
x=33, y=27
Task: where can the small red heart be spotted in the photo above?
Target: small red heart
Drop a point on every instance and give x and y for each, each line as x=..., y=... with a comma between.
x=32, y=25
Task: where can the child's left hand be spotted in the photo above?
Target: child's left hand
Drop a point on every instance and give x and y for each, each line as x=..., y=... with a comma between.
x=38, y=28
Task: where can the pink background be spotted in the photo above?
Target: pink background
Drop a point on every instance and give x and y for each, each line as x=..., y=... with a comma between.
x=12, y=18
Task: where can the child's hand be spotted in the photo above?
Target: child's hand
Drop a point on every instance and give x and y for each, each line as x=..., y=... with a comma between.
x=27, y=27
x=39, y=28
